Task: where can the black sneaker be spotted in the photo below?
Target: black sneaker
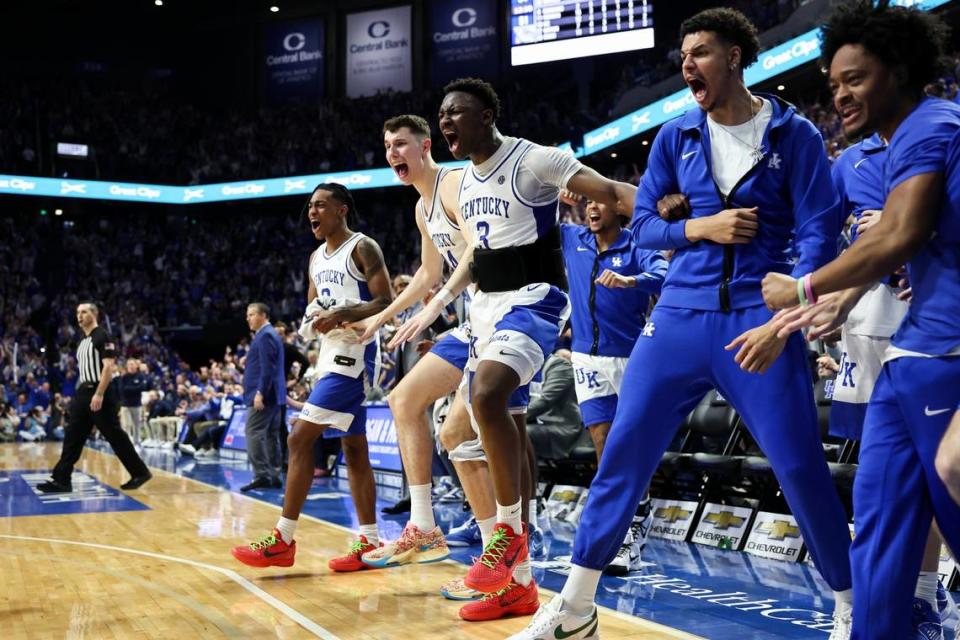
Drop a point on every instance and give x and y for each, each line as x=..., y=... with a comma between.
x=136, y=481
x=402, y=506
x=52, y=486
x=258, y=483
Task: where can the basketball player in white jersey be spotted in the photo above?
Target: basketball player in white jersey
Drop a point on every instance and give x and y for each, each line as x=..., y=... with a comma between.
x=508, y=200
x=438, y=374
x=348, y=282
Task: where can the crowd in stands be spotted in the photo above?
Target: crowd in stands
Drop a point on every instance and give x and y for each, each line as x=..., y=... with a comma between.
x=148, y=272
x=146, y=131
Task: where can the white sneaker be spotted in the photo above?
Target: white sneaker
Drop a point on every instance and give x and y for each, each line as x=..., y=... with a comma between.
x=208, y=453
x=167, y=446
x=842, y=622
x=640, y=527
x=149, y=443
x=188, y=449
x=551, y=622
x=627, y=558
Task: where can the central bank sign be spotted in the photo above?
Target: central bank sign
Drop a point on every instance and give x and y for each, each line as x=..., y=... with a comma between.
x=463, y=40
x=378, y=52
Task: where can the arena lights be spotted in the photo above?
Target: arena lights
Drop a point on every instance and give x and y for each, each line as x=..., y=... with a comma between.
x=274, y=9
x=780, y=87
x=159, y=3
x=773, y=62
x=58, y=212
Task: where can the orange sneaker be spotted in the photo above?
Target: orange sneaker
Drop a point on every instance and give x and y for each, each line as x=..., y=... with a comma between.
x=493, y=570
x=514, y=600
x=352, y=561
x=267, y=551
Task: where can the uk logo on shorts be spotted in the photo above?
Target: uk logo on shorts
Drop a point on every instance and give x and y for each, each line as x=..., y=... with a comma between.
x=587, y=377
x=845, y=375
x=648, y=330
x=618, y=262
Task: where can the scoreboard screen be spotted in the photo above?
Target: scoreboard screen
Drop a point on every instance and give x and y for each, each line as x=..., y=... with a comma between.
x=547, y=30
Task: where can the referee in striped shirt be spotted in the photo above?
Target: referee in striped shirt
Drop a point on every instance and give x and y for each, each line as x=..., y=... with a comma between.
x=96, y=404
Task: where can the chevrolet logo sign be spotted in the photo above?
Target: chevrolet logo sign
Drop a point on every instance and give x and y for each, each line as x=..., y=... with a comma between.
x=672, y=514
x=724, y=520
x=779, y=529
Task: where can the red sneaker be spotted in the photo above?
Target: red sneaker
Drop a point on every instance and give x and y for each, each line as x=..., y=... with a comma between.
x=493, y=570
x=515, y=600
x=352, y=561
x=267, y=551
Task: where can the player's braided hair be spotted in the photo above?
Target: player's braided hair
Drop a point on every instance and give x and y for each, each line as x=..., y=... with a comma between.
x=342, y=195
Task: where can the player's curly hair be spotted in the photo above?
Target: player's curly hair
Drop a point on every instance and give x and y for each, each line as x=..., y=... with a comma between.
x=732, y=26
x=479, y=89
x=897, y=36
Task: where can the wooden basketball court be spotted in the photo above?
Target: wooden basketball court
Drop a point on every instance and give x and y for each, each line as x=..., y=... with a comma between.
x=166, y=572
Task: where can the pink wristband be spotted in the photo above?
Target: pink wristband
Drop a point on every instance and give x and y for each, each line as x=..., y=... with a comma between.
x=808, y=288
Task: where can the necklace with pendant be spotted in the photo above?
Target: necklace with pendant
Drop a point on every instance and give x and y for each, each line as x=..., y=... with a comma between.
x=756, y=147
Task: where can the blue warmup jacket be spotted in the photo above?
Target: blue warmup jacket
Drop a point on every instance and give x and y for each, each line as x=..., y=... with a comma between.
x=799, y=210
x=606, y=322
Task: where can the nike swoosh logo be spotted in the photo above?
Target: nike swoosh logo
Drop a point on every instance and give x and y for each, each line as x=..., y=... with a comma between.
x=267, y=554
x=859, y=162
x=926, y=410
x=506, y=353
x=687, y=155
x=509, y=561
x=560, y=634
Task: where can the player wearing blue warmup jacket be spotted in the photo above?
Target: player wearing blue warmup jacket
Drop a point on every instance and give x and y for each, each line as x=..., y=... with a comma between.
x=611, y=281
x=880, y=58
x=758, y=180
x=873, y=312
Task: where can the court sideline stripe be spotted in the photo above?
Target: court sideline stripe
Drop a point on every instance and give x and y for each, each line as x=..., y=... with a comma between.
x=277, y=604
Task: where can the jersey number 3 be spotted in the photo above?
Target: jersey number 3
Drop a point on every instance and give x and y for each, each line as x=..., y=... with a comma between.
x=483, y=230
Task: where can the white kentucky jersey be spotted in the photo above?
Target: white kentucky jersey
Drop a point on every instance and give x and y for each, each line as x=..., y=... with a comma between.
x=338, y=283
x=443, y=232
x=511, y=199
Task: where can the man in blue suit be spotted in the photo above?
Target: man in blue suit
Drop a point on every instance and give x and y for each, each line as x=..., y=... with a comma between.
x=264, y=389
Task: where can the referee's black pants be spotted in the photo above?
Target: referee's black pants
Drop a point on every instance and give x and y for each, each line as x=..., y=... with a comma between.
x=82, y=421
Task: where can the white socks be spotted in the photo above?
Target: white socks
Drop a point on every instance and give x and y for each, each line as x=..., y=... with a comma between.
x=511, y=516
x=532, y=512
x=580, y=590
x=287, y=528
x=421, y=507
x=522, y=575
x=486, y=529
x=843, y=600
x=369, y=531
x=927, y=587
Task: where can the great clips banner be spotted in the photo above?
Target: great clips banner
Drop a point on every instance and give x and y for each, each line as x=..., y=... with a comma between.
x=378, y=52
x=463, y=36
x=293, y=60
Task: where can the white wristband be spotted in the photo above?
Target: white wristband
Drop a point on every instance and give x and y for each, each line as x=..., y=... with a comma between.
x=444, y=296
